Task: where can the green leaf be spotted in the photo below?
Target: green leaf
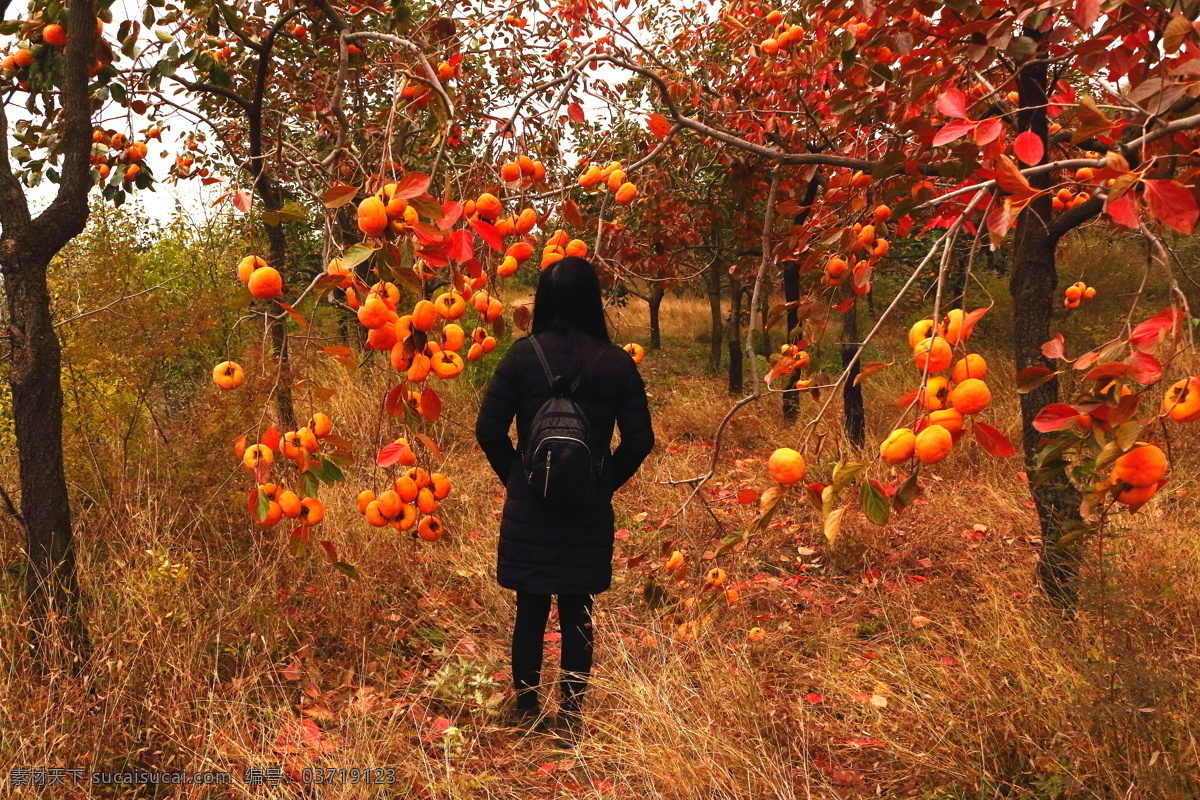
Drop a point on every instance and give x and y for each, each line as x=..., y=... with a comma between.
x=434, y=636
x=330, y=472
x=908, y=491
x=356, y=254
x=346, y=569
x=292, y=212
x=427, y=207
x=874, y=503
x=311, y=484
x=843, y=473
x=263, y=507
x=654, y=595
x=407, y=279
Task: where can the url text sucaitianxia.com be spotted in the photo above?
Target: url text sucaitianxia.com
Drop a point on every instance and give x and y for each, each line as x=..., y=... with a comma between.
x=70, y=776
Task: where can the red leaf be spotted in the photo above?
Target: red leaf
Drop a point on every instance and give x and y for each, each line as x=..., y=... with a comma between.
x=999, y=220
x=389, y=454
x=866, y=743
x=951, y=131
x=953, y=103
x=570, y=212
x=488, y=233
x=1055, y=417
x=1123, y=211
x=414, y=184
x=395, y=401
x=814, y=698
x=659, y=126
x=242, y=201
x=575, y=112
x=1030, y=378
x=431, y=405
x=294, y=314
x=1113, y=369
x=1086, y=13
x=1009, y=177
x=1086, y=360
x=970, y=320
x=338, y=195
x=1029, y=148
x=1147, y=335
x=430, y=444
x=1148, y=369
x=330, y=550
x=992, y=440
x=270, y=437
x=622, y=535
x=451, y=211
x=1054, y=347
x=747, y=496
x=462, y=246
x=987, y=130
x=1172, y=204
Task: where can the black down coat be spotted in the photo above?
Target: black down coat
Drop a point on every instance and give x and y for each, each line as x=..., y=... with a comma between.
x=554, y=549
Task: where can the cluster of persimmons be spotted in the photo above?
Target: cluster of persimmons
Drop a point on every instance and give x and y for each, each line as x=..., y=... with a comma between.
x=411, y=501
x=870, y=245
x=1076, y=293
x=611, y=177
x=269, y=503
x=114, y=151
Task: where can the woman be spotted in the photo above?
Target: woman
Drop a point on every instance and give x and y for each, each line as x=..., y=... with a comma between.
x=548, y=548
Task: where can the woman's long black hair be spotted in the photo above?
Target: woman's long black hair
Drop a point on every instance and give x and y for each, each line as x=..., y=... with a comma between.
x=568, y=300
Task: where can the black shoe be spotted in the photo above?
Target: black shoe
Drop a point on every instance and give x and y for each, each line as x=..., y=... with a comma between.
x=568, y=727
x=528, y=720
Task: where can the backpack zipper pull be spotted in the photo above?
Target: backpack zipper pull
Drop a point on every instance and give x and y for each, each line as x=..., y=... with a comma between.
x=546, y=488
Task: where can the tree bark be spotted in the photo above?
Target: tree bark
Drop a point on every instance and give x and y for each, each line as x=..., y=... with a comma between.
x=791, y=291
x=284, y=406
x=791, y=296
x=1032, y=285
x=27, y=246
x=655, y=303
x=736, y=382
x=51, y=582
x=714, y=308
x=852, y=398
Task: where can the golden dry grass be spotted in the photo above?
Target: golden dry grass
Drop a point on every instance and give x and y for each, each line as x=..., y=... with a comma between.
x=908, y=661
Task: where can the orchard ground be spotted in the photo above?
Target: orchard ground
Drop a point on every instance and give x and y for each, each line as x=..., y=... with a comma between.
x=918, y=660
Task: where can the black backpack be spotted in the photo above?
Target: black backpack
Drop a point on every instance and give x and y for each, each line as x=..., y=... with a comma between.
x=558, y=457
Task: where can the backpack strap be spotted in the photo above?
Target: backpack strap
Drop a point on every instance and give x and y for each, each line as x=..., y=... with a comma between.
x=537, y=348
x=583, y=370
x=541, y=354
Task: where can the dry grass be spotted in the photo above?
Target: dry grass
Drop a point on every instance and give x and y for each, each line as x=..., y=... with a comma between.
x=906, y=661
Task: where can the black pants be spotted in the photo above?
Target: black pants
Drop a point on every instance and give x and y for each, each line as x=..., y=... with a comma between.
x=575, y=622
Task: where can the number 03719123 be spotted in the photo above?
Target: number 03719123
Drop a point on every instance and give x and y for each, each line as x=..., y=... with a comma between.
x=381, y=775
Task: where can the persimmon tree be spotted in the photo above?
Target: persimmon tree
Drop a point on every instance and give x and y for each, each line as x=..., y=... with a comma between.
x=61, y=63
x=1027, y=119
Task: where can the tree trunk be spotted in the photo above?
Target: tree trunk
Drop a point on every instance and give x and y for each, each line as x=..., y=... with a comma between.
x=655, y=302
x=736, y=383
x=852, y=399
x=26, y=247
x=714, y=309
x=1032, y=286
x=51, y=583
x=791, y=291
x=279, y=339
x=791, y=296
